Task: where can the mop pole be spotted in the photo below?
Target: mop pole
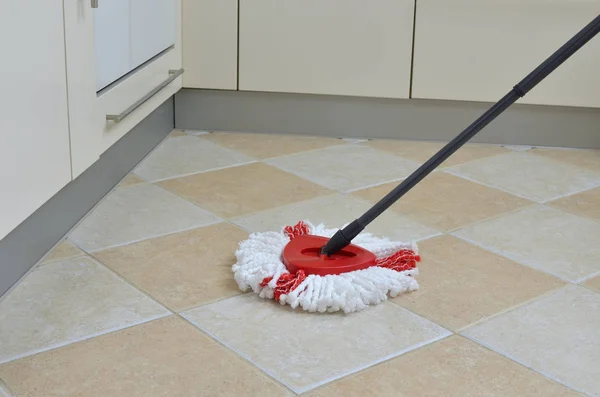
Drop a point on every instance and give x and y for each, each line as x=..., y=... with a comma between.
x=343, y=237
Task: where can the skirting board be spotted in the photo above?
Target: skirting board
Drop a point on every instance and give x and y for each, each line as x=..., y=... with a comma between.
x=357, y=117
x=32, y=239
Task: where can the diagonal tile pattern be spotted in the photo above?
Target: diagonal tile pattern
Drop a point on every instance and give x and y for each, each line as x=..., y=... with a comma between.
x=137, y=213
x=520, y=280
x=557, y=336
x=461, y=283
x=264, y=146
x=243, y=190
x=346, y=167
x=447, y=202
x=64, y=250
x=451, y=367
x=528, y=175
x=305, y=350
x=586, y=204
x=422, y=151
x=544, y=238
x=181, y=270
x=187, y=155
x=334, y=211
x=167, y=357
x=66, y=301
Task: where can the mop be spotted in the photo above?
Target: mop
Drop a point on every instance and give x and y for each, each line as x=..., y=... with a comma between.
x=328, y=270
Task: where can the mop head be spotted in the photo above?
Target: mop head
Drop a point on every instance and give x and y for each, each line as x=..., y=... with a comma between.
x=259, y=266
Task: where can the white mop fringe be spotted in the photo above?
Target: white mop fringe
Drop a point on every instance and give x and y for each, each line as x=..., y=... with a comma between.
x=259, y=258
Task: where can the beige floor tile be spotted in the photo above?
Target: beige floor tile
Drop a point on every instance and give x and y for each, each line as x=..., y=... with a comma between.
x=64, y=250
x=302, y=349
x=461, y=284
x=335, y=211
x=177, y=134
x=131, y=180
x=421, y=151
x=544, y=238
x=589, y=159
x=181, y=270
x=242, y=190
x=137, y=213
x=346, y=167
x=593, y=283
x=585, y=204
x=528, y=175
x=447, y=202
x=167, y=357
x=451, y=367
x=67, y=301
x=263, y=146
x=187, y=155
x=4, y=392
x=556, y=335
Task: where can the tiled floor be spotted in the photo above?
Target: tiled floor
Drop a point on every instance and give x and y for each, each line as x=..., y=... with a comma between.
x=140, y=299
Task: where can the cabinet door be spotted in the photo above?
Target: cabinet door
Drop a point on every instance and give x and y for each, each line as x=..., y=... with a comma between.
x=153, y=28
x=112, y=41
x=210, y=38
x=477, y=50
x=344, y=47
x=34, y=129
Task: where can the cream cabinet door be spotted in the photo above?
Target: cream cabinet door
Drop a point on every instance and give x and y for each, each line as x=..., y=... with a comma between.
x=91, y=132
x=210, y=39
x=340, y=47
x=477, y=50
x=34, y=127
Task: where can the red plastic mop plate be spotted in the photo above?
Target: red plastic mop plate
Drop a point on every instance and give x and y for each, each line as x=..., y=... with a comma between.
x=304, y=253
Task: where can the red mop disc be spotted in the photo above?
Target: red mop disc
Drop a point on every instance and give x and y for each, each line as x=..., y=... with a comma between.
x=304, y=253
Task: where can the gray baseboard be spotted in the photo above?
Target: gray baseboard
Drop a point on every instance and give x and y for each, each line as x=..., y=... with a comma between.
x=29, y=242
x=354, y=117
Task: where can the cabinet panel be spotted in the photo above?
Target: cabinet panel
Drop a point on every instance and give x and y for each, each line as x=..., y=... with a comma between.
x=112, y=41
x=210, y=36
x=34, y=130
x=477, y=50
x=344, y=47
x=153, y=28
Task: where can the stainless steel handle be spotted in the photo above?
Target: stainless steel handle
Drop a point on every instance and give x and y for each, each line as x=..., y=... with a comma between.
x=173, y=74
x=94, y=3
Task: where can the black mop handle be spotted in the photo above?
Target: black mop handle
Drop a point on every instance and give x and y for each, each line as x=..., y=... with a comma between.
x=343, y=237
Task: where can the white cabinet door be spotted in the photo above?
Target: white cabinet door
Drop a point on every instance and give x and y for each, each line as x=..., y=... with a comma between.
x=344, y=47
x=477, y=50
x=153, y=28
x=34, y=127
x=210, y=38
x=112, y=41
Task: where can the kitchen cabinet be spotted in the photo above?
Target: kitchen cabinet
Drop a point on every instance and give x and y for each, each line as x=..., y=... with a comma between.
x=150, y=58
x=477, y=50
x=210, y=40
x=35, y=161
x=338, y=47
x=128, y=33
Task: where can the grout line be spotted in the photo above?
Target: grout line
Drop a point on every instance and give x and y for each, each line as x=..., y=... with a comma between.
x=588, y=277
x=6, y=389
x=514, y=359
x=58, y=345
x=154, y=181
x=235, y=352
x=124, y=244
x=530, y=205
x=508, y=256
x=376, y=362
x=594, y=186
x=517, y=306
x=470, y=179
